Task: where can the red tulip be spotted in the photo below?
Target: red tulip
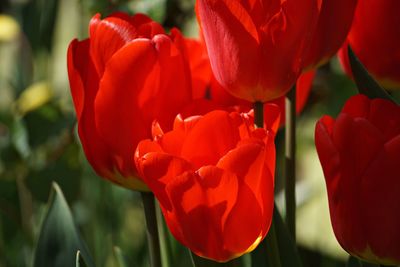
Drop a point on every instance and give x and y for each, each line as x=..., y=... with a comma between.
x=199, y=67
x=360, y=156
x=333, y=26
x=205, y=85
x=127, y=74
x=257, y=48
x=214, y=178
x=375, y=39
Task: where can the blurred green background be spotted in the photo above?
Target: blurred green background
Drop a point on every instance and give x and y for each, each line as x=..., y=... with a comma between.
x=38, y=141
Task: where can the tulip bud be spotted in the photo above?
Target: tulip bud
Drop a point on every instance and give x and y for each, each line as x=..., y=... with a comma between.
x=128, y=73
x=375, y=39
x=360, y=155
x=333, y=26
x=257, y=50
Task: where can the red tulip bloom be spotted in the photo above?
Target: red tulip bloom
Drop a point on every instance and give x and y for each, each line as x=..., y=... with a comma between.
x=214, y=178
x=375, y=39
x=199, y=66
x=333, y=26
x=204, y=85
x=257, y=48
x=127, y=74
x=360, y=156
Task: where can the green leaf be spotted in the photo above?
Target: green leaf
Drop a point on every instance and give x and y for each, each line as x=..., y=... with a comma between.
x=287, y=247
x=259, y=256
x=278, y=242
x=59, y=239
x=353, y=262
x=172, y=252
x=119, y=257
x=80, y=262
x=366, y=84
x=39, y=17
x=65, y=169
x=20, y=138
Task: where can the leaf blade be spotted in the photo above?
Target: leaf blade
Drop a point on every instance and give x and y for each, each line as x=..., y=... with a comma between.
x=59, y=240
x=366, y=84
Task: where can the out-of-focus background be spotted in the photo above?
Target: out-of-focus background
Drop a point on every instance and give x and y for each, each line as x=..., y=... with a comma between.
x=38, y=141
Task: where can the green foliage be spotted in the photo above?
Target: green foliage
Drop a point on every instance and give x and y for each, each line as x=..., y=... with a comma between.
x=277, y=242
x=365, y=82
x=38, y=21
x=59, y=240
x=119, y=257
x=353, y=262
x=80, y=262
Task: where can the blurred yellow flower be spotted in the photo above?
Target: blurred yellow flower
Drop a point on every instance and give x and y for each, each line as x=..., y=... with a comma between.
x=33, y=97
x=9, y=28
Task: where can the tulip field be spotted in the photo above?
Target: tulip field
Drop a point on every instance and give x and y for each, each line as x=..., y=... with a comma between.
x=199, y=133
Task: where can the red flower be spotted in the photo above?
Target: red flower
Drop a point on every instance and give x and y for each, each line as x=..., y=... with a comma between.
x=128, y=73
x=360, y=156
x=333, y=26
x=257, y=47
x=375, y=39
x=214, y=178
x=205, y=86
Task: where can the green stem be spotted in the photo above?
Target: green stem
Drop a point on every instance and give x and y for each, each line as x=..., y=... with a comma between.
x=152, y=230
x=259, y=114
x=269, y=245
x=202, y=262
x=290, y=161
x=272, y=245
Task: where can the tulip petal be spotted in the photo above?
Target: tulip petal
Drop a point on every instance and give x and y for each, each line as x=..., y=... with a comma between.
x=360, y=153
x=285, y=40
x=172, y=70
x=390, y=126
x=334, y=24
x=303, y=89
x=118, y=115
x=203, y=146
x=107, y=37
x=360, y=140
x=272, y=117
x=247, y=161
x=80, y=73
x=126, y=107
x=84, y=84
x=232, y=44
x=160, y=169
x=381, y=198
x=356, y=139
x=199, y=66
x=245, y=226
x=357, y=106
x=327, y=153
x=254, y=164
x=144, y=147
x=374, y=38
x=202, y=202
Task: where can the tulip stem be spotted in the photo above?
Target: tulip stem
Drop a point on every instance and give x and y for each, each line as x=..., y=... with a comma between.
x=290, y=161
x=259, y=114
x=200, y=262
x=152, y=230
x=272, y=241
